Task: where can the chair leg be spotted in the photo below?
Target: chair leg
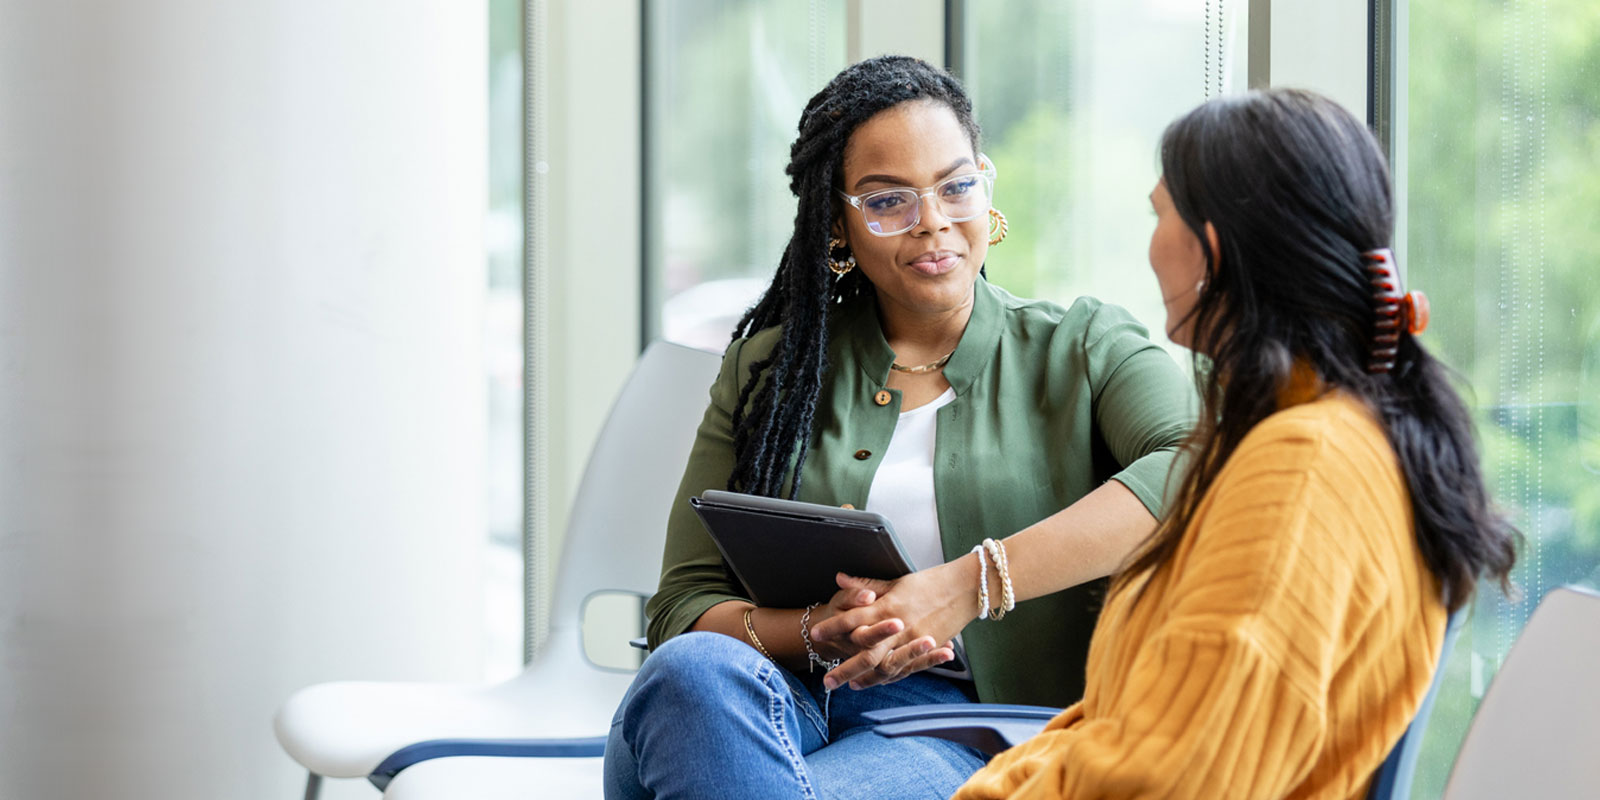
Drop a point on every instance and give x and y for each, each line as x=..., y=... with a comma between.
x=313, y=785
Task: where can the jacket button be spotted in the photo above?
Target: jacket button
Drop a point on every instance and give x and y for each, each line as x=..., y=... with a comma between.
x=846, y=505
x=863, y=455
x=883, y=397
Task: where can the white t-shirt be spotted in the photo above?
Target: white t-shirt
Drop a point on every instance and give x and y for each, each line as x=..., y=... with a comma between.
x=902, y=489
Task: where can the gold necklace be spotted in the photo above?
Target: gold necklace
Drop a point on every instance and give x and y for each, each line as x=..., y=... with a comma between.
x=921, y=368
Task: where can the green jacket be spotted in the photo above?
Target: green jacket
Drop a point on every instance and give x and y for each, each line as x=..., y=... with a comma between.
x=1050, y=403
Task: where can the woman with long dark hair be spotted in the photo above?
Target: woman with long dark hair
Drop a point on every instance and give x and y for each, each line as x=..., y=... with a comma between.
x=1278, y=631
x=881, y=370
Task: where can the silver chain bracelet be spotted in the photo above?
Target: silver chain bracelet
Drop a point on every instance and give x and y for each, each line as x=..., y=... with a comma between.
x=813, y=660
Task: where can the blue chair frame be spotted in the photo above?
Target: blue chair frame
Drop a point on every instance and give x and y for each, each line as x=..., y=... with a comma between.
x=586, y=747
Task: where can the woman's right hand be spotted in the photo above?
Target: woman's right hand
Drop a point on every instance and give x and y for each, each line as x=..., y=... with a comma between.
x=863, y=638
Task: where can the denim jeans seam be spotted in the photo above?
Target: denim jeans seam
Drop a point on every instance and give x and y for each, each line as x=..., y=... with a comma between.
x=807, y=705
x=775, y=716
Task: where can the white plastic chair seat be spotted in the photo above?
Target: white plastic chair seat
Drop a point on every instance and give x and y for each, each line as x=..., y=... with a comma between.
x=482, y=778
x=346, y=729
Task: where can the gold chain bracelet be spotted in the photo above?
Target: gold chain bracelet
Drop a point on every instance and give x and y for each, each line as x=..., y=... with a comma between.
x=756, y=640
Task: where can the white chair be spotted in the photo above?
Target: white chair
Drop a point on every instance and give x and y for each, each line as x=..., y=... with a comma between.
x=560, y=707
x=1537, y=732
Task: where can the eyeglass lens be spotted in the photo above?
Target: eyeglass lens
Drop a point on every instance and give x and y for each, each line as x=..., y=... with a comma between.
x=960, y=198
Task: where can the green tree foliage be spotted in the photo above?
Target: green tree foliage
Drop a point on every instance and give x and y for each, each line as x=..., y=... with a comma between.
x=1504, y=192
x=726, y=83
x=1073, y=98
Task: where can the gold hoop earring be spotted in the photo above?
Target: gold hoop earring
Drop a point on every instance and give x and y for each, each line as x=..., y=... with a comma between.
x=997, y=226
x=840, y=266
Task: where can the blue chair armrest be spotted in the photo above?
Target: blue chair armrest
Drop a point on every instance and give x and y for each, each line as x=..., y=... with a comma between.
x=945, y=710
x=985, y=734
x=586, y=747
x=987, y=727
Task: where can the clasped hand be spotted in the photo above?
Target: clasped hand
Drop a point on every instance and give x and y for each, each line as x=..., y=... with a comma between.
x=886, y=630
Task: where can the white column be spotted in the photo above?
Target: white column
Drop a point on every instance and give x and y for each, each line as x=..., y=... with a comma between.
x=895, y=27
x=241, y=406
x=594, y=217
x=1318, y=46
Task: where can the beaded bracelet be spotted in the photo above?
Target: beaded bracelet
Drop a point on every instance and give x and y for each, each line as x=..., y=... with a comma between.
x=1002, y=567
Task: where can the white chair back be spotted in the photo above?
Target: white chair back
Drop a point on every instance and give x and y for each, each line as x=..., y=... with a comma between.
x=618, y=524
x=1537, y=732
x=351, y=729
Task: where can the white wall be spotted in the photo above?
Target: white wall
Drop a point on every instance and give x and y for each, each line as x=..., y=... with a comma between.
x=241, y=415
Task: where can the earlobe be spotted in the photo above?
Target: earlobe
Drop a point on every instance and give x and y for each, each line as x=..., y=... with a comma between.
x=1215, y=244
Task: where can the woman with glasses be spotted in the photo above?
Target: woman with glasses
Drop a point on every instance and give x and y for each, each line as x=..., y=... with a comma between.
x=1020, y=448
x=1279, y=631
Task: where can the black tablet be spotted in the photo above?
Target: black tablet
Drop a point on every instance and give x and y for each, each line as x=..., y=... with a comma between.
x=786, y=553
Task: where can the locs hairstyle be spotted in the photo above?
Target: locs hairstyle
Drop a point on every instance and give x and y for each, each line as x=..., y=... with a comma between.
x=778, y=403
x=1297, y=190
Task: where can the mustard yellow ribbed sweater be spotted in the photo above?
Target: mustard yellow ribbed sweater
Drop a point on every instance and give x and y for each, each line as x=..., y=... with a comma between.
x=1281, y=653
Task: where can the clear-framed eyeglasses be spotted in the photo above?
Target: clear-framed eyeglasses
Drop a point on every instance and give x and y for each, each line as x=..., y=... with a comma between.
x=889, y=212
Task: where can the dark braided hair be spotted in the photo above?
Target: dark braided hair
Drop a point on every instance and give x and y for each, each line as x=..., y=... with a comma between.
x=773, y=417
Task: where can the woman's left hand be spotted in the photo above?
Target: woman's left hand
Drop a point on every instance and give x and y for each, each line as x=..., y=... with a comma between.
x=935, y=605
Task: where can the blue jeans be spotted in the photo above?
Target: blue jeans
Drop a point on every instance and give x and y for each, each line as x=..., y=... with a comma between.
x=708, y=717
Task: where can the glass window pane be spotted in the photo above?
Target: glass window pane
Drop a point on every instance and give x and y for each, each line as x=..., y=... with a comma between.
x=1073, y=98
x=1500, y=164
x=725, y=81
x=503, y=567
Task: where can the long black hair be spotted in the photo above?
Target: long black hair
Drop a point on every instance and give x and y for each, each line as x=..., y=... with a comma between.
x=1297, y=190
x=772, y=420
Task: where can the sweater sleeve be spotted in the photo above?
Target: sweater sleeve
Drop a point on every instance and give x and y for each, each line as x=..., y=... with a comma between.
x=1226, y=696
x=1143, y=404
x=693, y=576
